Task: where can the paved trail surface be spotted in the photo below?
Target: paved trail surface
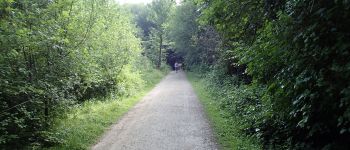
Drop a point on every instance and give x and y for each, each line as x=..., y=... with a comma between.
x=170, y=117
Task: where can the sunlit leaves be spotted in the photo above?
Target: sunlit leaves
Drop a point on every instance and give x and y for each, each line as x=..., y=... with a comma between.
x=55, y=53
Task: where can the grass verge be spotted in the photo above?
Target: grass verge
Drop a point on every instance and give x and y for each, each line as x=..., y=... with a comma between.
x=84, y=125
x=226, y=128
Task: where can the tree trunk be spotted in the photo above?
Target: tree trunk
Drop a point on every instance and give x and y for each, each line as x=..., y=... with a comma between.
x=160, y=51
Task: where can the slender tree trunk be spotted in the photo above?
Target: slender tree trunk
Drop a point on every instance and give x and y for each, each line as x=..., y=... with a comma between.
x=46, y=111
x=160, y=51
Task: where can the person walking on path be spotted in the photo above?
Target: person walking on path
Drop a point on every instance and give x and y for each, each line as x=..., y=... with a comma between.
x=176, y=66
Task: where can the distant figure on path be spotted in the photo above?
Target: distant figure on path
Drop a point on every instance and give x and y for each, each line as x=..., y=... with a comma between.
x=176, y=66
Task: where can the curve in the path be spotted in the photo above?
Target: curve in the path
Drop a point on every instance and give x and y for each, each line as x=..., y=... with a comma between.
x=170, y=117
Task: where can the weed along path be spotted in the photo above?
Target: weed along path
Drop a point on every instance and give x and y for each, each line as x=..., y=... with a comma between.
x=170, y=117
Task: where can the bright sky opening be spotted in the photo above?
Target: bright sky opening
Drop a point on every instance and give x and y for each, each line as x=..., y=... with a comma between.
x=134, y=1
x=138, y=1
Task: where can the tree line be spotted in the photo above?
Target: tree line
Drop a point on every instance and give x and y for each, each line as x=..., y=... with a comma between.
x=280, y=67
x=56, y=54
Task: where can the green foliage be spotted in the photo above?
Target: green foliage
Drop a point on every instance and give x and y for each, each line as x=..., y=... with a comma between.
x=141, y=15
x=292, y=57
x=153, y=20
x=305, y=88
x=198, y=44
x=234, y=19
x=97, y=115
x=55, y=54
x=224, y=110
x=159, y=13
x=183, y=26
x=160, y=10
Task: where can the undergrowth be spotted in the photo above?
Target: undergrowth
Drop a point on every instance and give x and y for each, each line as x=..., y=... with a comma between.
x=227, y=126
x=83, y=124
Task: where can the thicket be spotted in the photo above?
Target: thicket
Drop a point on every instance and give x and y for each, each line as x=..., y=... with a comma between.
x=82, y=126
x=227, y=125
x=58, y=53
x=153, y=22
x=198, y=44
x=282, y=66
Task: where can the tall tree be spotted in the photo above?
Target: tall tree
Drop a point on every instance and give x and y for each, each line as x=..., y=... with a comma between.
x=197, y=43
x=140, y=15
x=160, y=11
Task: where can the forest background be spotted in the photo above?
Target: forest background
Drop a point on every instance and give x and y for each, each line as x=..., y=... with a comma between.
x=277, y=70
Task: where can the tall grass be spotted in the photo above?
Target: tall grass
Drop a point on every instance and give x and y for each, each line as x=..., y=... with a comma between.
x=83, y=125
x=226, y=128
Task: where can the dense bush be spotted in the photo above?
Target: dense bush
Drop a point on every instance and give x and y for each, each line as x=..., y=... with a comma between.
x=197, y=44
x=58, y=53
x=283, y=68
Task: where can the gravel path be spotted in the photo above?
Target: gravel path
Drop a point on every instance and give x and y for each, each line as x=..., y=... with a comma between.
x=170, y=117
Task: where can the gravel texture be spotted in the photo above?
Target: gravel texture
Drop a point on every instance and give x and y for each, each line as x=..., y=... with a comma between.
x=170, y=117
